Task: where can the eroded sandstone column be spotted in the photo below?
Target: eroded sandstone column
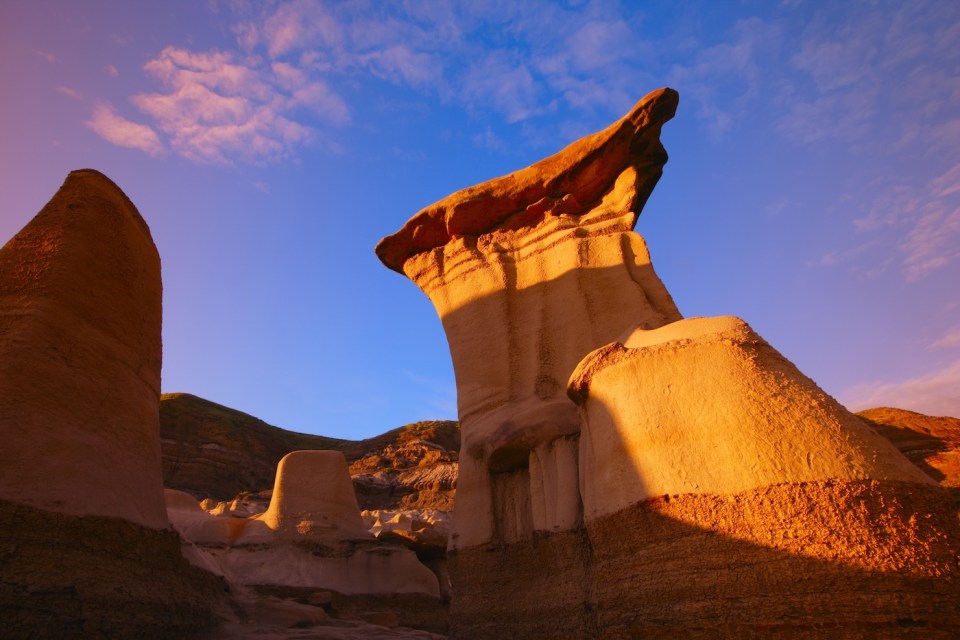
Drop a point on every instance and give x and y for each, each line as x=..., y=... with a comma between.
x=528, y=273
x=80, y=306
x=85, y=547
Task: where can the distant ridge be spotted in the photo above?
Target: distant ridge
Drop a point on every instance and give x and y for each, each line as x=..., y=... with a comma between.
x=930, y=442
x=212, y=451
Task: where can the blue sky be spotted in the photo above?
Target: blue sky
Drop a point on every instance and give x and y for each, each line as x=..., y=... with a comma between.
x=813, y=186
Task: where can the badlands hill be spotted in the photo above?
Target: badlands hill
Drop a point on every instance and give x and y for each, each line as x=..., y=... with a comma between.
x=932, y=443
x=212, y=451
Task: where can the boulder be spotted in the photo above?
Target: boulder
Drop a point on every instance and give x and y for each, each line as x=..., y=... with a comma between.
x=706, y=406
x=313, y=498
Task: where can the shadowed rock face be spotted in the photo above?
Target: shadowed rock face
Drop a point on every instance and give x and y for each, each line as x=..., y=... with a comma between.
x=86, y=551
x=80, y=306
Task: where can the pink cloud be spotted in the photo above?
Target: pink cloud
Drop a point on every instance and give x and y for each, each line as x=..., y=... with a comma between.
x=106, y=123
x=949, y=340
x=297, y=25
x=221, y=107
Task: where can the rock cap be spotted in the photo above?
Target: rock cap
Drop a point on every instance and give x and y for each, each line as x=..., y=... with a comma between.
x=576, y=176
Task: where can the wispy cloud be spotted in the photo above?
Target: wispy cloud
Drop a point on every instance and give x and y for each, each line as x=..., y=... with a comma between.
x=725, y=77
x=937, y=393
x=299, y=25
x=50, y=58
x=927, y=218
x=219, y=107
x=286, y=80
x=70, y=93
x=122, y=132
x=855, y=70
x=949, y=340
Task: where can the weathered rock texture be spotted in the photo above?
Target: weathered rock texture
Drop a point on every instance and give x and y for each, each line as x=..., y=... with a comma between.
x=85, y=549
x=704, y=488
x=706, y=406
x=80, y=299
x=412, y=467
x=528, y=273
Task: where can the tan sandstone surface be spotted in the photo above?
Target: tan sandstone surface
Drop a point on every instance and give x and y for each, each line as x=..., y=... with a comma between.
x=706, y=406
x=705, y=487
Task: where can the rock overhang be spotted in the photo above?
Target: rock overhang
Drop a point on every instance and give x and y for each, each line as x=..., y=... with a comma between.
x=564, y=183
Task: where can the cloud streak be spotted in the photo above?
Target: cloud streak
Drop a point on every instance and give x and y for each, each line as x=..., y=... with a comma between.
x=937, y=393
x=105, y=122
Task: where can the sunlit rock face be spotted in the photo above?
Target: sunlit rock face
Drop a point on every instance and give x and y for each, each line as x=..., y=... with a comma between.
x=706, y=406
x=700, y=433
x=313, y=497
x=85, y=546
x=529, y=272
x=704, y=485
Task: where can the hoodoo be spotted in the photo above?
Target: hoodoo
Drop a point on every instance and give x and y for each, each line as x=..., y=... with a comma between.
x=86, y=549
x=80, y=299
x=625, y=471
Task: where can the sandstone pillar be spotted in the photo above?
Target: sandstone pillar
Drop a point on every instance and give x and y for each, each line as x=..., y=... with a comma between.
x=706, y=487
x=80, y=300
x=85, y=549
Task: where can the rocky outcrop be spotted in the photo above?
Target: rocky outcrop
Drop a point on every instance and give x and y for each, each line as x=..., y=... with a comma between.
x=80, y=358
x=312, y=540
x=86, y=550
x=705, y=487
x=413, y=467
x=312, y=499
